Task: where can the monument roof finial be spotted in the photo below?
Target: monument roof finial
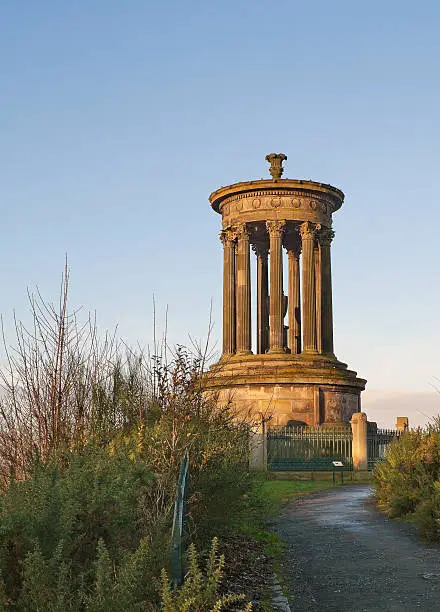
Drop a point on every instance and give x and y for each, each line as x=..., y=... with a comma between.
x=276, y=164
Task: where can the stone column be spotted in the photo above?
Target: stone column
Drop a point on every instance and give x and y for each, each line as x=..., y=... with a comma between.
x=359, y=446
x=308, y=231
x=228, y=237
x=318, y=288
x=243, y=288
x=261, y=250
x=325, y=237
x=276, y=329
x=293, y=247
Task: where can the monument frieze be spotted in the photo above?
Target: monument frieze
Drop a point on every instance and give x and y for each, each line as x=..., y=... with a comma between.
x=317, y=209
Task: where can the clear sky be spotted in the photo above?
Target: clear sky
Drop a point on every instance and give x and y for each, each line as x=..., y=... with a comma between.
x=118, y=119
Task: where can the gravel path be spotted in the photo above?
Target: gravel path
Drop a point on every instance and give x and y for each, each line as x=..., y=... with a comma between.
x=345, y=556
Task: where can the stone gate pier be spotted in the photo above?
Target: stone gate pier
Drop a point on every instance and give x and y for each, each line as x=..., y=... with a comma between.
x=278, y=363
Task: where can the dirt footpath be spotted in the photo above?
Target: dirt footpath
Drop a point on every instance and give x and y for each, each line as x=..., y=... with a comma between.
x=343, y=555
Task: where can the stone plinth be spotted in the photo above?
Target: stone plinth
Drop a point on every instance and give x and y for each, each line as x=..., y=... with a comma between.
x=283, y=388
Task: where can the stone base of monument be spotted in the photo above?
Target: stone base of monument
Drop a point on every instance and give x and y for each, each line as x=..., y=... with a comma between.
x=281, y=388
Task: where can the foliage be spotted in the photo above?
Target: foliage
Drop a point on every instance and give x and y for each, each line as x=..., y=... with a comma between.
x=91, y=439
x=184, y=420
x=61, y=385
x=51, y=585
x=52, y=524
x=199, y=592
x=408, y=481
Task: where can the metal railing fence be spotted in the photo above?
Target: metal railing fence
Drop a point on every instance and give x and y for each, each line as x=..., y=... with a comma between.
x=377, y=442
x=309, y=443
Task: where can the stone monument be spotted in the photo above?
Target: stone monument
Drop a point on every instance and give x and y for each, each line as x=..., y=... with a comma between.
x=293, y=374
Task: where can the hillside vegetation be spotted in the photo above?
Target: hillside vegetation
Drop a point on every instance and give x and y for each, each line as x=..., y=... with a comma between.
x=408, y=481
x=91, y=439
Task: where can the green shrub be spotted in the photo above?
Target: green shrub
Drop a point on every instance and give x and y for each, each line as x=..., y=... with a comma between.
x=408, y=481
x=93, y=435
x=199, y=592
x=64, y=527
x=90, y=527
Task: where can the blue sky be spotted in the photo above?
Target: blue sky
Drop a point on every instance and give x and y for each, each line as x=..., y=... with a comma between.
x=118, y=119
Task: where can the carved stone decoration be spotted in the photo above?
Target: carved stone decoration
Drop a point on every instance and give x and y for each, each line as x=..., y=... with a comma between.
x=275, y=227
x=235, y=206
x=333, y=410
x=339, y=407
x=276, y=164
x=242, y=230
x=325, y=236
x=229, y=234
x=308, y=230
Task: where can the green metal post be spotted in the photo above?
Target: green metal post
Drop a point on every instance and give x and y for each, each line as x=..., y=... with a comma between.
x=177, y=533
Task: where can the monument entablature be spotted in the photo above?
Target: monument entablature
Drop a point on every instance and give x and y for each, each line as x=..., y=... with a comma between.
x=292, y=371
x=292, y=200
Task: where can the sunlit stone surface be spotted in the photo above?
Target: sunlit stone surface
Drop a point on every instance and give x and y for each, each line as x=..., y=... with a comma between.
x=294, y=374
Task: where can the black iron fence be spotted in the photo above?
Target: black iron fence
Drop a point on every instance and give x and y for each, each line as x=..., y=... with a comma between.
x=308, y=448
x=377, y=442
x=300, y=448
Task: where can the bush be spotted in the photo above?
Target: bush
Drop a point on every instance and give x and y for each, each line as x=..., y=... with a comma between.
x=199, y=592
x=408, y=481
x=91, y=439
x=96, y=520
x=72, y=524
x=218, y=445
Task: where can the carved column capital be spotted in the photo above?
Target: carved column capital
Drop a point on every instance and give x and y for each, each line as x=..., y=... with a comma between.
x=242, y=231
x=229, y=234
x=275, y=228
x=308, y=230
x=325, y=236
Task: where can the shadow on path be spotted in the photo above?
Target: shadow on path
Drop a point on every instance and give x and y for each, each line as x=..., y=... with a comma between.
x=343, y=555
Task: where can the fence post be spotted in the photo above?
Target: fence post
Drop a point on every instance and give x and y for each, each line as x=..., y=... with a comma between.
x=177, y=532
x=359, y=442
x=258, y=447
x=402, y=423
